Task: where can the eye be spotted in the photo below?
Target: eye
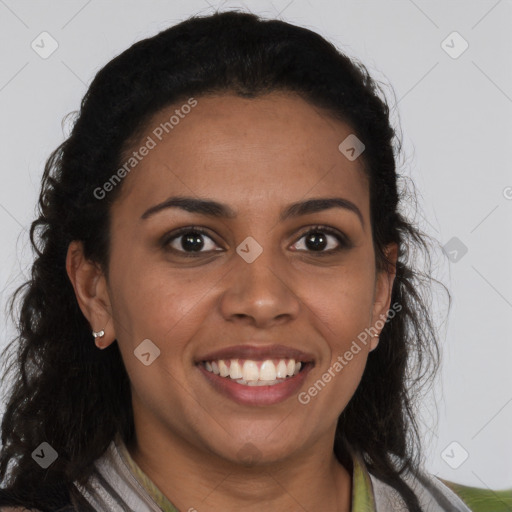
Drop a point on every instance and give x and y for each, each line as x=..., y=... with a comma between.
x=188, y=241
x=316, y=241
x=191, y=241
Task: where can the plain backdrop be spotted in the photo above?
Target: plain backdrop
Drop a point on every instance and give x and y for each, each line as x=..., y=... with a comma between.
x=449, y=65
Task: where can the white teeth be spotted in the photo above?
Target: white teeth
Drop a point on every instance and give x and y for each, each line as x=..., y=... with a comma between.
x=281, y=370
x=259, y=382
x=223, y=368
x=235, y=370
x=267, y=371
x=250, y=371
x=255, y=373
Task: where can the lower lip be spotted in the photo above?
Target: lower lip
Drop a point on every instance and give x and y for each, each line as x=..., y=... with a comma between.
x=256, y=395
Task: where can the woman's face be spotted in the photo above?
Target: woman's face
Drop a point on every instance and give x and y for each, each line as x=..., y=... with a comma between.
x=253, y=281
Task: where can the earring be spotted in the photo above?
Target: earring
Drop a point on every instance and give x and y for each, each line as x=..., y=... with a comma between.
x=98, y=334
x=375, y=335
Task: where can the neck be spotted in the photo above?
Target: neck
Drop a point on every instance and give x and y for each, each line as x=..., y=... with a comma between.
x=197, y=479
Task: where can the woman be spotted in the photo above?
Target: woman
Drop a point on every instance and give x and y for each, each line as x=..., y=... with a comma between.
x=224, y=224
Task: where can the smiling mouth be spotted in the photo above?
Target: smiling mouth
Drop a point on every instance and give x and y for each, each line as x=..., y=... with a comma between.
x=249, y=372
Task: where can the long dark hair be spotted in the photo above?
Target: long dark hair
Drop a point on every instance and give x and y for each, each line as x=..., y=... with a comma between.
x=68, y=393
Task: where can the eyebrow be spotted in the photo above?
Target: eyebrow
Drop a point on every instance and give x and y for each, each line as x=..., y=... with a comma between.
x=215, y=209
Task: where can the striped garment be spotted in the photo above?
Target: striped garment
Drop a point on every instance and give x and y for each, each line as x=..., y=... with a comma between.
x=120, y=485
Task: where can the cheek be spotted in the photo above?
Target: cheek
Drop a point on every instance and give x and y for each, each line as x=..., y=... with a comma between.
x=153, y=298
x=342, y=297
x=156, y=315
x=169, y=309
x=333, y=386
x=341, y=301
x=342, y=308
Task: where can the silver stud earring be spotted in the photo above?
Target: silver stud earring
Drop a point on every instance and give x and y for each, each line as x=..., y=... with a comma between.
x=98, y=334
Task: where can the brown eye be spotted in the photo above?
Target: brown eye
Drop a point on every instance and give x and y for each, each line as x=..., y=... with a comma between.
x=317, y=239
x=188, y=241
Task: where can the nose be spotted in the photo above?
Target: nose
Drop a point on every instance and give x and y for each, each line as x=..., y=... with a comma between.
x=261, y=292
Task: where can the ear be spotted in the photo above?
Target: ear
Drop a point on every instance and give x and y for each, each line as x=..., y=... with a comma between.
x=91, y=292
x=382, y=293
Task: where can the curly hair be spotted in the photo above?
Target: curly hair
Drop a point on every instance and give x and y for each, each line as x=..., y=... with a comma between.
x=66, y=392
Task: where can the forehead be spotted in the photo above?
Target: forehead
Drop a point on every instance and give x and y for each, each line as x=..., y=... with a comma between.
x=267, y=150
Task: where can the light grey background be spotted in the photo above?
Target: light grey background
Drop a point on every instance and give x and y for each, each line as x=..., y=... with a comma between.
x=455, y=115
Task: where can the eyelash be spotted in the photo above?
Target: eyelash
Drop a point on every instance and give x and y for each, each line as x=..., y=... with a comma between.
x=340, y=237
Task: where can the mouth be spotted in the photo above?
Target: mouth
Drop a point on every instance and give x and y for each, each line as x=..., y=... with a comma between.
x=256, y=375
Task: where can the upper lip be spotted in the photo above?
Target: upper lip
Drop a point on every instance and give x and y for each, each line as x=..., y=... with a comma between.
x=257, y=352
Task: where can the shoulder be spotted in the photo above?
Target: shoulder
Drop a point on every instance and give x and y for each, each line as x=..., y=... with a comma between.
x=481, y=500
x=432, y=494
